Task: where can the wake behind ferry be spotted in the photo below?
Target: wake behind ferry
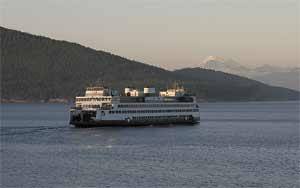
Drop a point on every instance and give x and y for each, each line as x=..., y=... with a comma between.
x=102, y=106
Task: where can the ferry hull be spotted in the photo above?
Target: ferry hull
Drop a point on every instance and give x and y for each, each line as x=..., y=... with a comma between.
x=87, y=118
x=119, y=123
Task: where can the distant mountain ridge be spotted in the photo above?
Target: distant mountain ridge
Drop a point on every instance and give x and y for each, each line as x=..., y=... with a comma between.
x=273, y=75
x=36, y=68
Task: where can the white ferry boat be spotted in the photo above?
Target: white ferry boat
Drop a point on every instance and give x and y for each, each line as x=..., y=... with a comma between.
x=102, y=106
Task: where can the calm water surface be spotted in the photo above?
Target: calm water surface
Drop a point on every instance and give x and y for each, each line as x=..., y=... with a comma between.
x=235, y=145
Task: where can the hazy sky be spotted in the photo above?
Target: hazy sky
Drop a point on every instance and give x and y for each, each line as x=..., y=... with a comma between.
x=168, y=33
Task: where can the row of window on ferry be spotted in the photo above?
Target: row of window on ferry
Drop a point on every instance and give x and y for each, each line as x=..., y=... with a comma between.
x=153, y=105
x=152, y=111
x=157, y=117
x=90, y=106
x=92, y=99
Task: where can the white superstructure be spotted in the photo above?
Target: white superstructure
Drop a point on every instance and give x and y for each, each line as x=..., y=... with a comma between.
x=103, y=106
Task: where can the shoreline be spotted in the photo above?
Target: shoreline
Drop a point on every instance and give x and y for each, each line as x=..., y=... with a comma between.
x=65, y=101
x=24, y=101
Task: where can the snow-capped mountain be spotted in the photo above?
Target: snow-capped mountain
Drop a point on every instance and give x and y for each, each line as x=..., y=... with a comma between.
x=273, y=75
x=224, y=65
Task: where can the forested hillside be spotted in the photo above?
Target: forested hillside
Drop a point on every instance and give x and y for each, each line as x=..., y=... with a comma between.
x=37, y=68
x=222, y=86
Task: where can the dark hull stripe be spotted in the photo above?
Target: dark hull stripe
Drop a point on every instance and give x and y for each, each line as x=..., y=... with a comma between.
x=102, y=123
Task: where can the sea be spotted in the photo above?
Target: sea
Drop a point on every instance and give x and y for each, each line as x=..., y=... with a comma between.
x=242, y=144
